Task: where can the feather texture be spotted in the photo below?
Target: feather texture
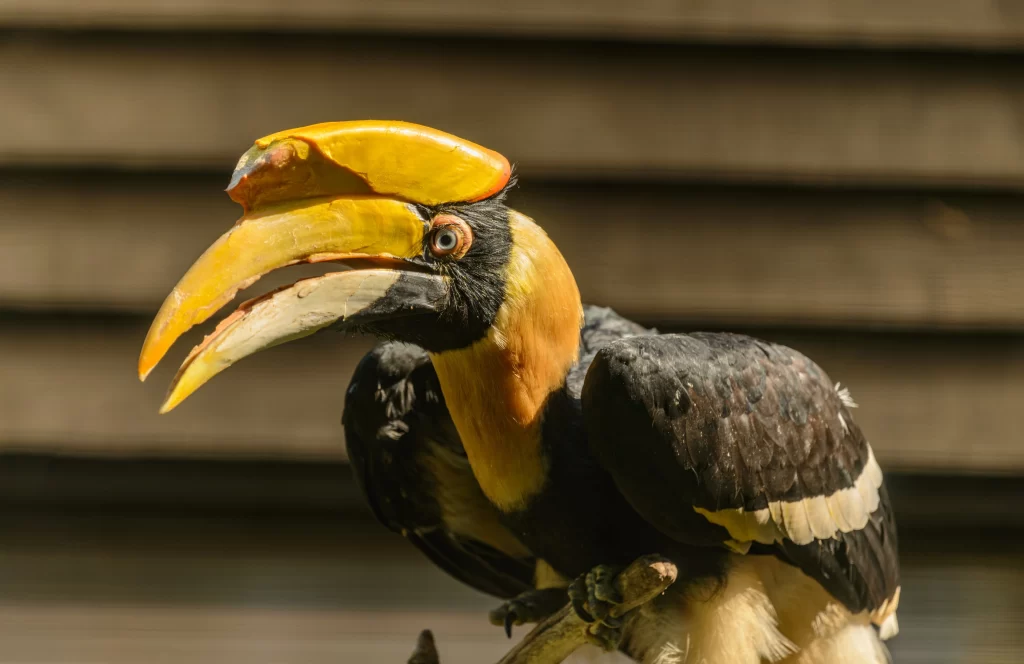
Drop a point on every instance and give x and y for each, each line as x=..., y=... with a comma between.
x=759, y=442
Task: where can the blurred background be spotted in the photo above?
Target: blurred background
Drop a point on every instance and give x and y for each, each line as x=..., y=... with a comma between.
x=842, y=176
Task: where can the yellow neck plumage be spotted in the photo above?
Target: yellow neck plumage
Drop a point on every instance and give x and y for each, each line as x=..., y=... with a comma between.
x=496, y=388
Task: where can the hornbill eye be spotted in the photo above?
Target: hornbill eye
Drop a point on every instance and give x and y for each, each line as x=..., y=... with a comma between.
x=446, y=240
x=450, y=236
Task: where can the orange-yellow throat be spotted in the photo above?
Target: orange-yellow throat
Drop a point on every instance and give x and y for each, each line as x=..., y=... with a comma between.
x=496, y=389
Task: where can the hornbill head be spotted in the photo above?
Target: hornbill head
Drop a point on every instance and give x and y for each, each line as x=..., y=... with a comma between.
x=417, y=216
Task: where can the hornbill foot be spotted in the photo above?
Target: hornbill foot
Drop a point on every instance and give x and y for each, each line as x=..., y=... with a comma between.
x=594, y=597
x=531, y=606
x=604, y=637
x=594, y=594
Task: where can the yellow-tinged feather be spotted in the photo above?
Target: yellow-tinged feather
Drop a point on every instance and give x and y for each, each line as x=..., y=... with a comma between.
x=823, y=631
x=775, y=511
x=762, y=610
x=796, y=526
x=545, y=576
x=818, y=517
x=464, y=508
x=868, y=494
x=741, y=548
x=744, y=526
x=803, y=521
x=838, y=514
x=496, y=389
x=872, y=471
x=853, y=507
x=717, y=621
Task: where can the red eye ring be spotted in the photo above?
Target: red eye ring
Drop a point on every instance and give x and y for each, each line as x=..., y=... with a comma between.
x=450, y=237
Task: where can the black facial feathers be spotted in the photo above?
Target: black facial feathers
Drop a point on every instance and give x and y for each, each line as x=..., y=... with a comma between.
x=477, y=280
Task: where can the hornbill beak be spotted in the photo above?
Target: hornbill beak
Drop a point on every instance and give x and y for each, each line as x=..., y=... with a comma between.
x=350, y=192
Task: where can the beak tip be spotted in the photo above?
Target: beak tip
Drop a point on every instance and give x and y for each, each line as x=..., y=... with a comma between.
x=146, y=367
x=172, y=400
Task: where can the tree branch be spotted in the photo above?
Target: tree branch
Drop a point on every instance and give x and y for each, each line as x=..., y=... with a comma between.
x=557, y=637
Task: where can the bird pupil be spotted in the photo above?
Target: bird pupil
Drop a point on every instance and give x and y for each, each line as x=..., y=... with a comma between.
x=447, y=240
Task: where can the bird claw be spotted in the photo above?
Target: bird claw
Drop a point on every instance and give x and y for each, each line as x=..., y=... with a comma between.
x=594, y=597
x=529, y=607
x=604, y=637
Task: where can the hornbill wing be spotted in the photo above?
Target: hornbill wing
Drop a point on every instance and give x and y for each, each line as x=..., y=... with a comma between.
x=409, y=463
x=725, y=439
x=474, y=563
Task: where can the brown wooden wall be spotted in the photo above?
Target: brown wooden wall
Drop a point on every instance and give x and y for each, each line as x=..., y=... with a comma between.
x=845, y=176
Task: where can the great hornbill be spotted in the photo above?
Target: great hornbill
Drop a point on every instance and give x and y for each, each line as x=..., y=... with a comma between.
x=736, y=458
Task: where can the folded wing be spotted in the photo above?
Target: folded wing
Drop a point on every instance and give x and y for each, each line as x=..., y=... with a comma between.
x=721, y=439
x=409, y=462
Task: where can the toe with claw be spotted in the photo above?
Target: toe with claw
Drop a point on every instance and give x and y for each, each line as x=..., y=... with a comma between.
x=597, y=600
x=529, y=607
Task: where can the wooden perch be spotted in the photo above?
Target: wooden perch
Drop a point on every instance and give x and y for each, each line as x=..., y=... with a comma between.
x=426, y=649
x=557, y=637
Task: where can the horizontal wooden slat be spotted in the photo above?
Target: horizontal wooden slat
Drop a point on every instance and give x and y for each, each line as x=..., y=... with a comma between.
x=658, y=253
x=561, y=109
x=955, y=23
x=282, y=489
x=933, y=403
